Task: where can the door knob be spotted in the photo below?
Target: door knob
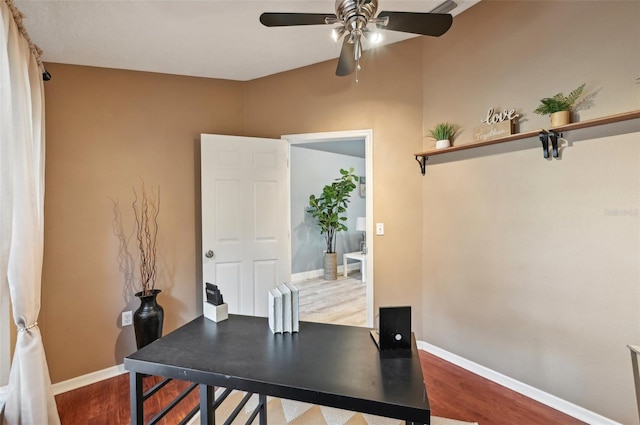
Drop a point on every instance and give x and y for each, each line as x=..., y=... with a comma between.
x=209, y=254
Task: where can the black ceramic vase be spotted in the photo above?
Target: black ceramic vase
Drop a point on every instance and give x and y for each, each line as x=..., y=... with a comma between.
x=148, y=318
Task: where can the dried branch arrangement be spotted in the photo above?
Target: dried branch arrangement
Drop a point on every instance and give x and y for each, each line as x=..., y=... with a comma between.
x=146, y=210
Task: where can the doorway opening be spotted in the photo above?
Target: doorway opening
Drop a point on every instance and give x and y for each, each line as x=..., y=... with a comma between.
x=314, y=156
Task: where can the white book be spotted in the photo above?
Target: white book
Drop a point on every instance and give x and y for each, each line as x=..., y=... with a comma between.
x=279, y=326
x=286, y=308
x=275, y=311
x=272, y=312
x=295, y=308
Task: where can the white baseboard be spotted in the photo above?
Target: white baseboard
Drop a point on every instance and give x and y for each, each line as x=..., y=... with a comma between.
x=88, y=379
x=519, y=387
x=312, y=274
x=545, y=398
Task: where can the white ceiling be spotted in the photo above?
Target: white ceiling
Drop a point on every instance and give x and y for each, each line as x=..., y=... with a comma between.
x=205, y=38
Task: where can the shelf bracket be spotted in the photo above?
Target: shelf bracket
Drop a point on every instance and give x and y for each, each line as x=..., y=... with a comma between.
x=544, y=138
x=422, y=160
x=554, y=136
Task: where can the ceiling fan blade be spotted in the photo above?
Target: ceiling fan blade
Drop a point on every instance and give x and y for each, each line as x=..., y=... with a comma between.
x=270, y=19
x=347, y=60
x=433, y=24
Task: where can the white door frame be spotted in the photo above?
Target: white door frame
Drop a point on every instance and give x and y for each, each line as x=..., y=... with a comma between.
x=333, y=136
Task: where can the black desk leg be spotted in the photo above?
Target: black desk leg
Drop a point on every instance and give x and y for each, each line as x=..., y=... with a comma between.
x=207, y=414
x=136, y=398
x=263, y=407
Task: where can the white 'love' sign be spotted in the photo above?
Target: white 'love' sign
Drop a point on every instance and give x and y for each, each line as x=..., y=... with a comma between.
x=499, y=124
x=496, y=117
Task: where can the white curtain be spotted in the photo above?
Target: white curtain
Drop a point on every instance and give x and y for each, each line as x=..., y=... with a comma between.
x=28, y=396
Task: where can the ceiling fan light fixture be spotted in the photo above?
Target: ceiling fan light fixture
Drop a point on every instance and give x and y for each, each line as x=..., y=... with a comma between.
x=380, y=22
x=337, y=33
x=330, y=20
x=445, y=7
x=374, y=37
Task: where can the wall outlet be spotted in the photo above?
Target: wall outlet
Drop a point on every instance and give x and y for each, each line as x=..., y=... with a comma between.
x=379, y=229
x=127, y=318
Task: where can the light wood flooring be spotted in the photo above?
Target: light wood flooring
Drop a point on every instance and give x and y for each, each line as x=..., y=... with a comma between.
x=341, y=301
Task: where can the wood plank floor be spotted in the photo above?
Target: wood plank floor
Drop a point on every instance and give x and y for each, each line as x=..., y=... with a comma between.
x=341, y=301
x=453, y=392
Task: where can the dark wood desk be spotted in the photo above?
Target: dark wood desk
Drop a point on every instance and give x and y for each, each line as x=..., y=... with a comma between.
x=331, y=365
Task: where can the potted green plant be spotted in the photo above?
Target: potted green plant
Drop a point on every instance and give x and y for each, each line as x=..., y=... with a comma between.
x=329, y=209
x=444, y=133
x=559, y=106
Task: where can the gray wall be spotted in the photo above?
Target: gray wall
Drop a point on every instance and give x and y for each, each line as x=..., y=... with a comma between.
x=311, y=170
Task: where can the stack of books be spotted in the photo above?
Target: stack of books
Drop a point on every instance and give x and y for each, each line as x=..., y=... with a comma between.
x=283, y=309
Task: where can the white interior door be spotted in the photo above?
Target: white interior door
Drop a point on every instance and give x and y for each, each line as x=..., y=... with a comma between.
x=245, y=219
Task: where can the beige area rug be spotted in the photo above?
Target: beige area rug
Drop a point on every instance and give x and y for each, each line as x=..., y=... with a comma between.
x=288, y=412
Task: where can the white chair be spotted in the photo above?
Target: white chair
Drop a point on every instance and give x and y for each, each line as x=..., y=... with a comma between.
x=635, y=351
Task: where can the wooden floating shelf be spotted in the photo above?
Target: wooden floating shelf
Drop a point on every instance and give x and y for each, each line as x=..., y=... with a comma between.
x=534, y=133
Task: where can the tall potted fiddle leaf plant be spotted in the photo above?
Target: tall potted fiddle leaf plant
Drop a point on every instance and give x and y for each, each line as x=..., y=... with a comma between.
x=149, y=317
x=329, y=209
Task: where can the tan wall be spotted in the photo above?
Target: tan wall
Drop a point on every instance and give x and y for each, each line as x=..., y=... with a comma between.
x=107, y=130
x=388, y=100
x=525, y=269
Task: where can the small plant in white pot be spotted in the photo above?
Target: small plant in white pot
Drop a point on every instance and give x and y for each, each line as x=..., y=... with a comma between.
x=444, y=133
x=559, y=107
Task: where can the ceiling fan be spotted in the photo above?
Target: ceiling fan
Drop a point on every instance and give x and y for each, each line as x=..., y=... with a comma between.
x=352, y=18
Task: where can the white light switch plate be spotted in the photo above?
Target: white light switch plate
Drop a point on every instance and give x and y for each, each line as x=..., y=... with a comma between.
x=380, y=229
